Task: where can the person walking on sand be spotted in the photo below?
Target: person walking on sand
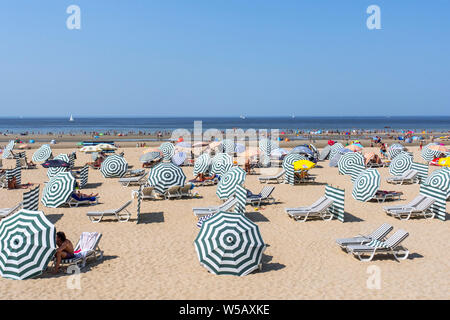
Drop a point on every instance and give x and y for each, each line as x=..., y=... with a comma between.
x=420, y=145
x=64, y=251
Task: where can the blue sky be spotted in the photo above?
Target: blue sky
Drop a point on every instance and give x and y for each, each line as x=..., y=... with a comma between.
x=228, y=57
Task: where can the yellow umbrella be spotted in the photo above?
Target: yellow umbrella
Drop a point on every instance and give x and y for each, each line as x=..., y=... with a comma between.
x=444, y=162
x=303, y=165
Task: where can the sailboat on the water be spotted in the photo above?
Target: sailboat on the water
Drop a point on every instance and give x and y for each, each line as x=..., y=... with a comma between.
x=71, y=118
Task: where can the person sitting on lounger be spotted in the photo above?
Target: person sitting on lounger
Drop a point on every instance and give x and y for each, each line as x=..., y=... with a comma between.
x=64, y=251
x=302, y=175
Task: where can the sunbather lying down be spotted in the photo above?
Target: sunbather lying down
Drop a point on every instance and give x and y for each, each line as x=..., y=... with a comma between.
x=84, y=197
x=201, y=177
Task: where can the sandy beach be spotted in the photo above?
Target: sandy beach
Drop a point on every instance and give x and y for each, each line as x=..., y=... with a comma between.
x=156, y=259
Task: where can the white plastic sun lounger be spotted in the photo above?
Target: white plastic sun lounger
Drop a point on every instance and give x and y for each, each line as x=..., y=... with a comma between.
x=422, y=209
x=391, y=245
x=413, y=203
x=226, y=206
x=88, y=244
x=132, y=180
x=317, y=209
x=97, y=216
x=265, y=196
x=5, y=212
x=409, y=176
x=379, y=234
x=276, y=178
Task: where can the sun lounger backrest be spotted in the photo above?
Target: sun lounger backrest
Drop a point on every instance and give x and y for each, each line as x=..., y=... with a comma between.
x=323, y=205
x=425, y=204
x=280, y=174
x=267, y=191
x=411, y=173
x=381, y=232
x=123, y=207
x=396, y=238
x=228, y=204
x=88, y=241
x=414, y=202
x=318, y=202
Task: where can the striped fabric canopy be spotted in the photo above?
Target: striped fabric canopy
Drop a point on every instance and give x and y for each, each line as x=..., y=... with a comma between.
x=31, y=199
x=325, y=153
x=241, y=199
x=394, y=150
x=347, y=162
x=400, y=164
x=167, y=150
x=16, y=172
x=227, y=184
x=114, y=166
x=58, y=190
x=202, y=164
x=27, y=244
x=150, y=156
x=53, y=171
x=84, y=175
x=10, y=145
x=338, y=206
x=229, y=243
x=334, y=149
x=139, y=202
x=366, y=185
x=422, y=169
x=6, y=154
x=337, y=155
x=440, y=179
x=440, y=197
x=42, y=154
x=356, y=171
x=429, y=154
x=221, y=163
x=179, y=158
x=288, y=166
x=165, y=175
x=265, y=145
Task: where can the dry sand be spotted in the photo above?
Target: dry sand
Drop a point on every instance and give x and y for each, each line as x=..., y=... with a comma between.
x=156, y=259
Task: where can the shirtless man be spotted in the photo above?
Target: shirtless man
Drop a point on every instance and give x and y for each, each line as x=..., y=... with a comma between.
x=64, y=251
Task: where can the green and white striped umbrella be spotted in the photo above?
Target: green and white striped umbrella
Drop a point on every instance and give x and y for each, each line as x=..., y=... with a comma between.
x=394, y=150
x=53, y=171
x=227, y=184
x=27, y=244
x=334, y=149
x=58, y=190
x=229, y=243
x=440, y=179
x=10, y=145
x=221, y=163
x=167, y=149
x=400, y=164
x=114, y=166
x=228, y=146
x=288, y=166
x=42, y=154
x=265, y=145
x=366, y=185
x=429, y=154
x=165, y=175
x=202, y=164
x=6, y=154
x=347, y=162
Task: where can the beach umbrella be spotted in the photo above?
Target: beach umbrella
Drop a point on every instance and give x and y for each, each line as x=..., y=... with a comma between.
x=165, y=175
x=334, y=149
x=303, y=165
x=239, y=148
x=202, y=164
x=324, y=153
x=215, y=145
x=400, y=164
x=89, y=149
x=348, y=161
x=444, y=162
x=167, y=149
x=265, y=145
x=428, y=153
x=58, y=190
x=228, y=146
x=366, y=185
x=440, y=179
x=6, y=154
x=27, y=244
x=302, y=150
x=354, y=147
x=42, y=154
x=227, y=184
x=150, y=156
x=229, y=243
x=10, y=145
x=53, y=170
x=221, y=163
x=114, y=166
x=288, y=161
x=394, y=150
x=179, y=158
x=278, y=153
x=106, y=147
x=339, y=153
